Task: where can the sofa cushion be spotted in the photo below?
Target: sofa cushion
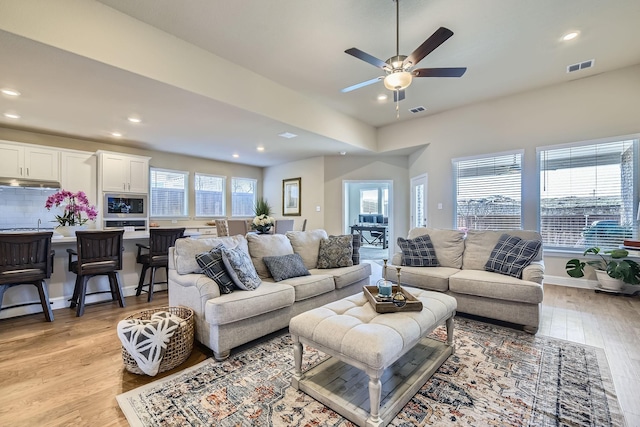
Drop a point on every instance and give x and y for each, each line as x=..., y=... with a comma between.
x=187, y=249
x=497, y=286
x=307, y=245
x=240, y=268
x=284, y=267
x=346, y=276
x=237, y=306
x=213, y=266
x=448, y=244
x=418, y=252
x=336, y=251
x=431, y=279
x=511, y=255
x=262, y=245
x=306, y=287
x=479, y=243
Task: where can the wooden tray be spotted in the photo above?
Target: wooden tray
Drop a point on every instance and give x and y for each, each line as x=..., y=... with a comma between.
x=371, y=292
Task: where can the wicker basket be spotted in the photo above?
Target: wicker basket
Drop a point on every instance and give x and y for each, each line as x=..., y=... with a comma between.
x=179, y=347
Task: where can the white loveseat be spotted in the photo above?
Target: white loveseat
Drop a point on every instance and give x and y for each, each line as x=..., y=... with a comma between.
x=225, y=321
x=462, y=275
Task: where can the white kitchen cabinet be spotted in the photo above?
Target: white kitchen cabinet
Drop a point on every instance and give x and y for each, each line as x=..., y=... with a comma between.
x=29, y=161
x=79, y=173
x=123, y=173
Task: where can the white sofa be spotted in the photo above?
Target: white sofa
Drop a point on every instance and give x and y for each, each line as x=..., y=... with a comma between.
x=225, y=321
x=462, y=275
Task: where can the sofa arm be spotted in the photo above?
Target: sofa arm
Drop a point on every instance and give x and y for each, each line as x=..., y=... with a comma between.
x=396, y=259
x=534, y=272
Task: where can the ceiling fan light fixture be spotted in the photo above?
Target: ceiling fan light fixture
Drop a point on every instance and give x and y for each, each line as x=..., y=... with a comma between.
x=398, y=80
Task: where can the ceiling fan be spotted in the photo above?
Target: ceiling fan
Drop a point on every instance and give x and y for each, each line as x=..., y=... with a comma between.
x=399, y=68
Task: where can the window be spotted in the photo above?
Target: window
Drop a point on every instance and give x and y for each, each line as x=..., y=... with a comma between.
x=369, y=201
x=488, y=192
x=210, y=195
x=169, y=196
x=243, y=196
x=587, y=194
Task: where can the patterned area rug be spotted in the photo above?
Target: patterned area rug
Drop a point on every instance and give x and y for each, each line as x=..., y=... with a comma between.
x=497, y=377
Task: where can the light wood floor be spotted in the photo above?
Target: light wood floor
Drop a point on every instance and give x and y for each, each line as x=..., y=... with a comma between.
x=67, y=373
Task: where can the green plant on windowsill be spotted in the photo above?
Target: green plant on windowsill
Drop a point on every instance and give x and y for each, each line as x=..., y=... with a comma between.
x=618, y=267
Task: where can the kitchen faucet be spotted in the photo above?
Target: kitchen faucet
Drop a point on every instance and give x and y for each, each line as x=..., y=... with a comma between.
x=39, y=222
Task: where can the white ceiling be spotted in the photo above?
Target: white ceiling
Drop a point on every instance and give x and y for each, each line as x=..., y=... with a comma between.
x=508, y=46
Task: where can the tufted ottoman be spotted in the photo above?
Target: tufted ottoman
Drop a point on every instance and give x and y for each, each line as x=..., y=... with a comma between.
x=388, y=352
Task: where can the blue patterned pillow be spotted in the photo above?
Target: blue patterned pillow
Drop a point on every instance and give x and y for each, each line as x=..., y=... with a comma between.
x=285, y=266
x=418, y=252
x=511, y=255
x=241, y=269
x=213, y=266
x=335, y=252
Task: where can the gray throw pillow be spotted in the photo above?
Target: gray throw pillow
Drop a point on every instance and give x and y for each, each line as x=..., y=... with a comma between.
x=356, y=243
x=285, y=266
x=418, y=252
x=213, y=266
x=240, y=269
x=335, y=252
x=511, y=255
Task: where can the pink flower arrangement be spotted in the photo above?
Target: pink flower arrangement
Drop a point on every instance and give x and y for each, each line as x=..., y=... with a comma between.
x=77, y=203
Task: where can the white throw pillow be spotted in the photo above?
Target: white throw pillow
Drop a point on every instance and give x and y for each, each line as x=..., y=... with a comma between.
x=264, y=245
x=307, y=245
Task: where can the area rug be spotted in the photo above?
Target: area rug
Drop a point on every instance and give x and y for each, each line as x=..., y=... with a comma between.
x=497, y=377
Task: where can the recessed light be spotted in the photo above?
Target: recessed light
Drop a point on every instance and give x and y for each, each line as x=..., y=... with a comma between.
x=134, y=119
x=10, y=92
x=342, y=153
x=570, y=36
x=260, y=148
x=235, y=156
x=116, y=134
x=12, y=116
x=287, y=135
x=382, y=97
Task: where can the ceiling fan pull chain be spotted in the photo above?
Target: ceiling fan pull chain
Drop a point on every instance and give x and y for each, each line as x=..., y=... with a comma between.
x=397, y=105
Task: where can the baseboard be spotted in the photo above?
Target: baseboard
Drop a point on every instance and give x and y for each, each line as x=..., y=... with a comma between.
x=63, y=302
x=570, y=282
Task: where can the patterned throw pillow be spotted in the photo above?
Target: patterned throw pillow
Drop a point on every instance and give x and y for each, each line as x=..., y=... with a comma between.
x=213, y=266
x=285, y=266
x=511, y=255
x=418, y=252
x=356, y=243
x=336, y=251
x=241, y=269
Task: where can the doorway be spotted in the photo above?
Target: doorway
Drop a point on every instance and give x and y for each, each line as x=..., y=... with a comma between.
x=418, y=201
x=367, y=210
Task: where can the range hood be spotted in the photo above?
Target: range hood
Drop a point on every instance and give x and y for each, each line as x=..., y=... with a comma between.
x=30, y=183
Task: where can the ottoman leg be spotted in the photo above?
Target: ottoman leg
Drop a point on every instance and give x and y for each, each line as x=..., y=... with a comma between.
x=450, y=332
x=375, y=391
x=297, y=358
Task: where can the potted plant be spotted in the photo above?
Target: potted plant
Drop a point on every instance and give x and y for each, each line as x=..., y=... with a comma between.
x=612, y=274
x=263, y=220
x=71, y=218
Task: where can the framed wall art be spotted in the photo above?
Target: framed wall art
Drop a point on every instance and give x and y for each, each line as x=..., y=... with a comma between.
x=291, y=196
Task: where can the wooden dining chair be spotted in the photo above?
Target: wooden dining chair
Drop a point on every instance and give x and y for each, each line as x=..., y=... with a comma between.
x=99, y=253
x=27, y=259
x=157, y=255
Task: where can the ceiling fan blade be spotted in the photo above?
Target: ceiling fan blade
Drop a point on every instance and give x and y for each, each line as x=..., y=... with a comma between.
x=366, y=57
x=398, y=95
x=363, y=84
x=429, y=45
x=439, y=72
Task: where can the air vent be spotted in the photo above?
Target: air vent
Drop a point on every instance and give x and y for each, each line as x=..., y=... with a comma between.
x=416, y=110
x=580, y=66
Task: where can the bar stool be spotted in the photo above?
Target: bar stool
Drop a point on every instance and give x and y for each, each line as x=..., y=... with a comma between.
x=27, y=259
x=160, y=240
x=99, y=253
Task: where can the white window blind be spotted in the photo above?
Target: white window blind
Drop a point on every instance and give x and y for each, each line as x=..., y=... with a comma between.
x=243, y=196
x=210, y=195
x=488, y=192
x=169, y=193
x=369, y=201
x=587, y=194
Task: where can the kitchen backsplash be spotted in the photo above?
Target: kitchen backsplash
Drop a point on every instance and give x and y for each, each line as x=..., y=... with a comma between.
x=23, y=207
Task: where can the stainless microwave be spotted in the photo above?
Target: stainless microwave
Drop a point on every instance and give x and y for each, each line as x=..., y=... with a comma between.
x=125, y=206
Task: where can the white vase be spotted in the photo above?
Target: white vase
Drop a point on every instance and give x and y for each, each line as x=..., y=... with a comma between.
x=609, y=283
x=69, y=230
